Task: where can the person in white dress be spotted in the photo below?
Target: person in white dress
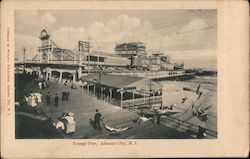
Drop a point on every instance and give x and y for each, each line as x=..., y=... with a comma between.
x=33, y=101
x=60, y=124
x=29, y=100
x=40, y=85
x=39, y=97
x=70, y=125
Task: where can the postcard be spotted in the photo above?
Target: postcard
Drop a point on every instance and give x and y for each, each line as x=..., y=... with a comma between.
x=124, y=79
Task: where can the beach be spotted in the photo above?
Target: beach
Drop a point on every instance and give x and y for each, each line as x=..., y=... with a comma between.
x=173, y=93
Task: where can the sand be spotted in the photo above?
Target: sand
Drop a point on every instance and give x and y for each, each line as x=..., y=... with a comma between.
x=173, y=93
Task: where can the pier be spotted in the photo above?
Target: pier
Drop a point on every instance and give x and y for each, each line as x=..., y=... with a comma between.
x=83, y=105
x=116, y=84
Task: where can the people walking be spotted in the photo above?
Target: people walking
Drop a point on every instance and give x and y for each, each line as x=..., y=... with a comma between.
x=34, y=103
x=29, y=99
x=48, y=98
x=33, y=100
x=56, y=99
x=43, y=85
x=40, y=85
x=39, y=97
x=67, y=95
x=201, y=133
x=97, y=120
x=47, y=83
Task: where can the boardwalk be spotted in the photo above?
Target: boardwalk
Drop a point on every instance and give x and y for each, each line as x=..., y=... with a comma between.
x=84, y=105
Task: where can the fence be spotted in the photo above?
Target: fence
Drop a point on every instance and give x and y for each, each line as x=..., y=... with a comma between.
x=142, y=101
x=182, y=125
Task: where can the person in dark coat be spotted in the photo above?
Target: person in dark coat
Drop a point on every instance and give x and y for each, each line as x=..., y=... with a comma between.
x=97, y=120
x=56, y=100
x=48, y=98
x=43, y=85
x=67, y=95
x=201, y=132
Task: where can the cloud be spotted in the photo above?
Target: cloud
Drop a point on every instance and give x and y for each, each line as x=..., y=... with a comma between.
x=194, y=24
x=191, y=36
x=67, y=37
x=47, y=18
x=122, y=28
x=103, y=35
x=32, y=19
x=29, y=42
x=97, y=29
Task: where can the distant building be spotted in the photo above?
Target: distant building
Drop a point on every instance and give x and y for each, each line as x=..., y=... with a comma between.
x=131, y=49
x=159, y=61
x=135, y=52
x=160, y=57
x=139, y=62
x=132, y=55
x=106, y=59
x=179, y=66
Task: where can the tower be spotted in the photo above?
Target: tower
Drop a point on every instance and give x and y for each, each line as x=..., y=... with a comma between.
x=46, y=48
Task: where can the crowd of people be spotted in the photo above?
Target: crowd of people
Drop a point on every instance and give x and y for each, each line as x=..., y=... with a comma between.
x=33, y=99
x=65, y=97
x=43, y=84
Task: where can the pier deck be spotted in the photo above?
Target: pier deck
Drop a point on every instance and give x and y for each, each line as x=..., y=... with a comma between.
x=83, y=106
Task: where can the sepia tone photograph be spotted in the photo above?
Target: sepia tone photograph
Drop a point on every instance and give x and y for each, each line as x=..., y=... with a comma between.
x=116, y=74
x=124, y=79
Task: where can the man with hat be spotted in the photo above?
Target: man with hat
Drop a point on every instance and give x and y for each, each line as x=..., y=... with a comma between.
x=97, y=120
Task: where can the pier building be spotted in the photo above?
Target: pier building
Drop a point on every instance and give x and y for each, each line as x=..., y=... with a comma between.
x=124, y=91
x=130, y=61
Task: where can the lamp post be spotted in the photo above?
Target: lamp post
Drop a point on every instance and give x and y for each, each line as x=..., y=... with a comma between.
x=150, y=91
x=99, y=83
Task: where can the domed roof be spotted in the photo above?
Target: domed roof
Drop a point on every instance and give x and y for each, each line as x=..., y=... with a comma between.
x=44, y=35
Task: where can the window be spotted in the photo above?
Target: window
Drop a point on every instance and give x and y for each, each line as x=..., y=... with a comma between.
x=95, y=58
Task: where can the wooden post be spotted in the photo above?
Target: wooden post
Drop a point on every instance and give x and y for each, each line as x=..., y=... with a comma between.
x=110, y=94
x=144, y=96
x=133, y=97
x=74, y=78
x=94, y=88
x=60, y=77
x=121, y=98
x=101, y=93
x=47, y=74
x=50, y=74
x=79, y=72
x=40, y=72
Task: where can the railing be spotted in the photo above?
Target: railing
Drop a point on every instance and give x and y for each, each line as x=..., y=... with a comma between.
x=151, y=74
x=142, y=101
x=76, y=62
x=183, y=125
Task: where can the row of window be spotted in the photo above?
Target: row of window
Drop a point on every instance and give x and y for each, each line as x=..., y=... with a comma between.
x=95, y=58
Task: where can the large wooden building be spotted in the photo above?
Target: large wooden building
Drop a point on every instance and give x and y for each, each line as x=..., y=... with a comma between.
x=124, y=91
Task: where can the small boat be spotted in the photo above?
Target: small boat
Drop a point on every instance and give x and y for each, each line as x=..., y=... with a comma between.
x=114, y=129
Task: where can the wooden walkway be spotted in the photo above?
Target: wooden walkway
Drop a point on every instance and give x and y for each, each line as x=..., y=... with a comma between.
x=84, y=106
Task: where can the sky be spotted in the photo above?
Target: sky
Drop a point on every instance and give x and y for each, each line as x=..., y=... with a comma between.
x=188, y=36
